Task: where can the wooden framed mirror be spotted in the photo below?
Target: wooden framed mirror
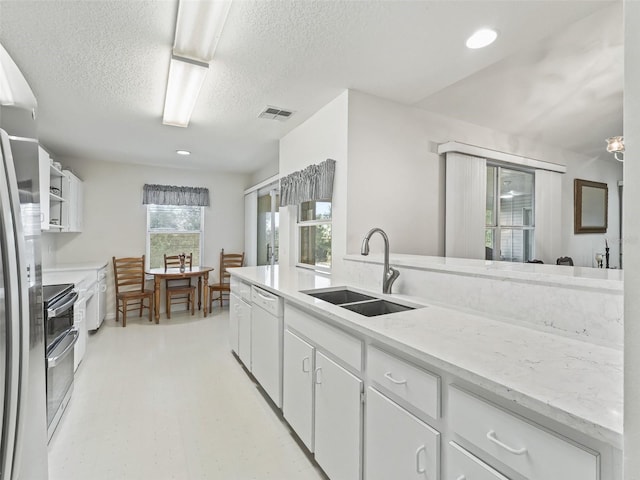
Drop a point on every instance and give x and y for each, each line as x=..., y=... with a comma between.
x=590, y=206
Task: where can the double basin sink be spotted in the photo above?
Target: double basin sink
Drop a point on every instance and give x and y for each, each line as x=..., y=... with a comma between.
x=358, y=302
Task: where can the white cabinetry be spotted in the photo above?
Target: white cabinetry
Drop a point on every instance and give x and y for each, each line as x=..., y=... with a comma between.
x=338, y=420
x=297, y=401
x=51, y=189
x=398, y=444
x=322, y=400
x=526, y=448
x=463, y=465
x=72, y=208
x=240, y=321
x=80, y=323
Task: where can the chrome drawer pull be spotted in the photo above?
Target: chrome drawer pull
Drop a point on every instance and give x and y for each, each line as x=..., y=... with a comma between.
x=318, y=377
x=391, y=379
x=461, y=477
x=492, y=437
x=419, y=469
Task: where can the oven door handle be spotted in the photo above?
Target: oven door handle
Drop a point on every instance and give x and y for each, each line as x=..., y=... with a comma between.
x=54, y=312
x=54, y=361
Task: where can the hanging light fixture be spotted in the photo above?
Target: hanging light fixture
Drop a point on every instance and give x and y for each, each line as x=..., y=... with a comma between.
x=615, y=145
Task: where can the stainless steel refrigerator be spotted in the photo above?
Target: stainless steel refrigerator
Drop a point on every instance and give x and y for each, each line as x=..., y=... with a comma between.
x=23, y=447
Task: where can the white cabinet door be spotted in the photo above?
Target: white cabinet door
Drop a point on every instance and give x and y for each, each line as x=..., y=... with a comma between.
x=266, y=342
x=72, y=207
x=234, y=307
x=244, y=333
x=398, y=444
x=80, y=323
x=297, y=386
x=338, y=420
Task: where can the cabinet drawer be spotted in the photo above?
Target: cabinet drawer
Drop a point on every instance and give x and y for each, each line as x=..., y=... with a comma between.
x=418, y=387
x=339, y=343
x=464, y=466
x=240, y=288
x=523, y=446
x=270, y=302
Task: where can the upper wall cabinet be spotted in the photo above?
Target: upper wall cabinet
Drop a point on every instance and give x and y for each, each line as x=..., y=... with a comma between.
x=51, y=188
x=61, y=197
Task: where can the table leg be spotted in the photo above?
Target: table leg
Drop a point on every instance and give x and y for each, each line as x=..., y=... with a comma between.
x=206, y=292
x=199, y=293
x=156, y=297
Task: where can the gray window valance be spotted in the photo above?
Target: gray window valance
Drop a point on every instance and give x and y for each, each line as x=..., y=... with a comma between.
x=313, y=183
x=172, y=195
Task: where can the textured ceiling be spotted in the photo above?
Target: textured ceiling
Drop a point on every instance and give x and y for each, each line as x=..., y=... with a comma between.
x=99, y=70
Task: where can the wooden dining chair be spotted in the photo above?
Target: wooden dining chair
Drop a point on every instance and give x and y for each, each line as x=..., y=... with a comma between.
x=179, y=290
x=223, y=287
x=130, y=292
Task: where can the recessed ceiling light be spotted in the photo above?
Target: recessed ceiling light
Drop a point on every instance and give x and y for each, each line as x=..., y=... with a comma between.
x=482, y=38
x=183, y=152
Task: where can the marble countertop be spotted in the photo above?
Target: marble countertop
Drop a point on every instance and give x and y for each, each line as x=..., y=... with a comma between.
x=572, y=382
x=578, y=277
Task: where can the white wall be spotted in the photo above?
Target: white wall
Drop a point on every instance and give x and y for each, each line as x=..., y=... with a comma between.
x=322, y=136
x=396, y=177
x=115, y=220
x=267, y=171
x=632, y=241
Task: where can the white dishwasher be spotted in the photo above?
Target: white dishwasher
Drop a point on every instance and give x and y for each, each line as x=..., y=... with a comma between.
x=266, y=342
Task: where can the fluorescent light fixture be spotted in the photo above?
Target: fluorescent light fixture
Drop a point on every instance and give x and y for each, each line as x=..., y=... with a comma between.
x=183, y=152
x=199, y=25
x=185, y=81
x=482, y=38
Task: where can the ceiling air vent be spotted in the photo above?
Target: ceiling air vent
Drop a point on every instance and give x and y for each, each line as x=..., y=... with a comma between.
x=275, y=113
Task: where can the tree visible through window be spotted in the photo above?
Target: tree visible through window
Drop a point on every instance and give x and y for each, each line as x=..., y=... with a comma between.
x=314, y=231
x=173, y=230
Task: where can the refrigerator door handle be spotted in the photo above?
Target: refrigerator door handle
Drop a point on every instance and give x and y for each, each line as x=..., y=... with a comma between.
x=14, y=243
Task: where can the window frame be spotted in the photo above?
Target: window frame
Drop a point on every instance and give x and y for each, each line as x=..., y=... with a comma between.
x=298, y=236
x=147, y=257
x=497, y=227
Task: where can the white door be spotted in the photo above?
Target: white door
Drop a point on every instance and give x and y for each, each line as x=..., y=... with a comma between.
x=244, y=333
x=80, y=323
x=234, y=307
x=338, y=420
x=266, y=338
x=102, y=295
x=398, y=444
x=297, y=387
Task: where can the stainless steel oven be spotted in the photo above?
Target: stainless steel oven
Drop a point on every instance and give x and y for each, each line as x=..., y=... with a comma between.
x=60, y=337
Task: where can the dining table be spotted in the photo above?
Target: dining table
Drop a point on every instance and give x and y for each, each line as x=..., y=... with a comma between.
x=173, y=273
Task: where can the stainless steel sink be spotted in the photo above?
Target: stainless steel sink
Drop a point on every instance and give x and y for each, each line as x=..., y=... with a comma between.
x=376, y=307
x=338, y=297
x=358, y=302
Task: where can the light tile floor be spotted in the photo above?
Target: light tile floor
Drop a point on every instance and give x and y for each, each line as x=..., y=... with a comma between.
x=170, y=401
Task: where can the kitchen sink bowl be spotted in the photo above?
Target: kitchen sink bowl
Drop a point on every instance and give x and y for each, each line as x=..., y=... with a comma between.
x=358, y=302
x=376, y=307
x=338, y=297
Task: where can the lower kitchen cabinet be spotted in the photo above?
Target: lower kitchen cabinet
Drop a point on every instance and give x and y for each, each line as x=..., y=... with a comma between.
x=297, y=392
x=463, y=465
x=338, y=420
x=398, y=444
x=240, y=328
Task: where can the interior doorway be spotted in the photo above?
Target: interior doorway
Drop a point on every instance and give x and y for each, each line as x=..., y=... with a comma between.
x=268, y=224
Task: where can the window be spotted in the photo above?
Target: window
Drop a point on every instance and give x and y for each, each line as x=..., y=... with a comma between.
x=509, y=214
x=314, y=234
x=173, y=230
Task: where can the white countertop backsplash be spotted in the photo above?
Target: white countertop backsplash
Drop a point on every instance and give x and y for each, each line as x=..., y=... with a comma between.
x=574, y=382
x=584, y=303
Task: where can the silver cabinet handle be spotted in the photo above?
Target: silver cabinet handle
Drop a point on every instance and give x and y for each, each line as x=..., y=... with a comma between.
x=305, y=370
x=491, y=436
x=461, y=477
x=419, y=469
x=265, y=297
x=318, y=380
x=391, y=379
